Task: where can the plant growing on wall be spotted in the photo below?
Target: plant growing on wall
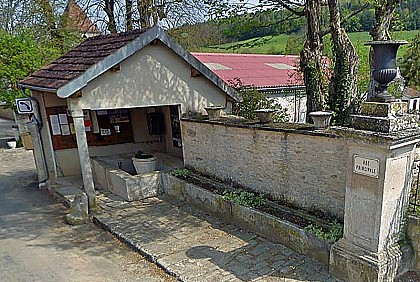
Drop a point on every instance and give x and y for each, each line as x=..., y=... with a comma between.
x=244, y=198
x=252, y=100
x=141, y=155
x=331, y=235
x=180, y=172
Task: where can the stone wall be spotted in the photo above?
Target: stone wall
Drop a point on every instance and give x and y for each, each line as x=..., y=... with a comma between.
x=304, y=168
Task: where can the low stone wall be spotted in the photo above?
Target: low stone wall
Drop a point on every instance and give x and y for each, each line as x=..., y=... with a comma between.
x=304, y=168
x=263, y=224
x=129, y=187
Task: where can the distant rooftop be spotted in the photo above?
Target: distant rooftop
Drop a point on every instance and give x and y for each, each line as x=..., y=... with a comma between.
x=253, y=69
x=78, y=20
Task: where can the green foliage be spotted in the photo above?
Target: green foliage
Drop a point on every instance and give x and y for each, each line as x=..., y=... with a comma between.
x=248, y=24
x=294, y=44
x=244, y=198
x=142, y=155
x=410, y=63
x=20, y=55
x=258, y=45
x=333, y=234
x=252, y=100
x=180, y=172
x=19, y=143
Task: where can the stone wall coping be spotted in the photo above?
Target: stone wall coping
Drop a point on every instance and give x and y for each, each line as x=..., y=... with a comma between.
x=371, y=137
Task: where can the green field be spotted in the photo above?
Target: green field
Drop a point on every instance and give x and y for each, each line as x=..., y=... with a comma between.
x=277, y=44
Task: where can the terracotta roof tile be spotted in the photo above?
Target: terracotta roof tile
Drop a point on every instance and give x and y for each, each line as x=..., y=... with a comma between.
x=75, y=62
x=78, y=19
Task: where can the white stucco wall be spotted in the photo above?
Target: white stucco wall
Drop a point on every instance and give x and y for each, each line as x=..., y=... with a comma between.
x=154, y=76
x=294, y=104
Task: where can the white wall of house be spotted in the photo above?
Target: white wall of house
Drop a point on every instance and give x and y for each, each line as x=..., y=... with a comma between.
x=295, y=104
x=154, y=76
x=414, y=104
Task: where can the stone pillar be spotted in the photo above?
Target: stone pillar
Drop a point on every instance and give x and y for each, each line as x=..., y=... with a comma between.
x=38, y=151
x=377, y=192
x=82, y=146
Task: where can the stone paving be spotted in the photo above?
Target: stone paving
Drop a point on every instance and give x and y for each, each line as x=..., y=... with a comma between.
x=195, y=246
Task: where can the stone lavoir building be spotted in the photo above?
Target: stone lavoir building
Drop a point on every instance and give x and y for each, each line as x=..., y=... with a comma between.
x=117, y=93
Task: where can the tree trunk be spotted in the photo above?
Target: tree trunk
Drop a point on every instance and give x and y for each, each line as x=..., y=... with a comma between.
x=343, y=83
x=128, y=14
x=144, y=7
x=109, y=10
x=311, y=58
x=383, y=17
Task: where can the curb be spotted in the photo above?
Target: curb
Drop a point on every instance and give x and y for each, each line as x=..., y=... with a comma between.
x=148, y=256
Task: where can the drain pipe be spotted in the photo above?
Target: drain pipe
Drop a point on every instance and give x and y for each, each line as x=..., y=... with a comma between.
x=34, y=127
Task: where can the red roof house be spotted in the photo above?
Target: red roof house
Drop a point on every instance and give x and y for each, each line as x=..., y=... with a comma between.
x=261, y=71
x=274, y=75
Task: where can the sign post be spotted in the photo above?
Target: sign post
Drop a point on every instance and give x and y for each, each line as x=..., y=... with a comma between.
x=25, y=106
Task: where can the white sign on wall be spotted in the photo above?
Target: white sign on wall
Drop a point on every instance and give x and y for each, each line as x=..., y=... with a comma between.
x=366, y=166
x=24, y=106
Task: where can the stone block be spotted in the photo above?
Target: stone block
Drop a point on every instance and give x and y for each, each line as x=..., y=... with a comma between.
x=349, y=262
x=384, y=124
x=78, y=210
x=129, y=187
x=378, y=109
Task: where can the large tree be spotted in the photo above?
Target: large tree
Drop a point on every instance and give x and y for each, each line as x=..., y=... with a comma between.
x=410, y=65
x=123, y=15
x=343, y=80
x=343, y=86
x=384, y=12
x=32, y=33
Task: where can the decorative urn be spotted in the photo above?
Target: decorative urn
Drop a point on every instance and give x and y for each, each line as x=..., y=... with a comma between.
x=384, y=66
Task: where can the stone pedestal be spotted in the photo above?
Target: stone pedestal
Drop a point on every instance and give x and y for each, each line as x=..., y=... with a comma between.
x=384, y=117
x=377, y=192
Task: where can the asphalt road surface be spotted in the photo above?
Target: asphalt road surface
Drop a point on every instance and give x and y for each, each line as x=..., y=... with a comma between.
x=37, y=245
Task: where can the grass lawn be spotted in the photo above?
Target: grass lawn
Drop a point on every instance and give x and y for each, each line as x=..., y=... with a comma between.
x=277, y=44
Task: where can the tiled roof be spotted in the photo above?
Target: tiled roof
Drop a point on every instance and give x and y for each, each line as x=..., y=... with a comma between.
x=254, y=69
x=75, y=62
x=78, y=19
x=96, y=55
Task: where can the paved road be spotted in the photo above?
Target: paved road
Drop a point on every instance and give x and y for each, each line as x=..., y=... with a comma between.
x=36, y=244
x=6, y=131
